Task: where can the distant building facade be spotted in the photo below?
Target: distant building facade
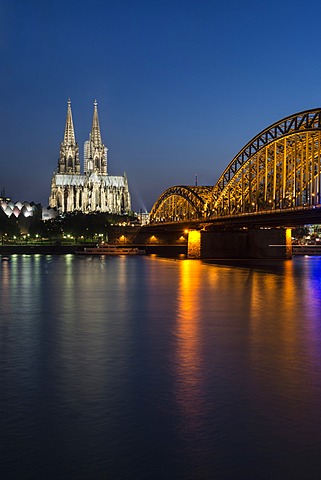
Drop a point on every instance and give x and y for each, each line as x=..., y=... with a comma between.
x=17, y=209
x=93, y=190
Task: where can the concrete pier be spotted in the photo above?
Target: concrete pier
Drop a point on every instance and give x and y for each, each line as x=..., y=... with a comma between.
x=245, y=243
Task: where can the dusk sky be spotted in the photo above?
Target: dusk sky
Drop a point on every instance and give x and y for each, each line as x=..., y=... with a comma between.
x=181, y=85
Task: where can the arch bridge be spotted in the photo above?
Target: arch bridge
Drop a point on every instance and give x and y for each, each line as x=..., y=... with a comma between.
x=278, y=170
x=274, y=181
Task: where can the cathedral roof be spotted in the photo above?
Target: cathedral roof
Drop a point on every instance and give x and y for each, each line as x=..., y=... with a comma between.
x=81, y=180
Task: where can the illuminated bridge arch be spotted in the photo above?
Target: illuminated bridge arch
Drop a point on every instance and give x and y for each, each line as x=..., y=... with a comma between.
x=181, y=203
x=279, y=168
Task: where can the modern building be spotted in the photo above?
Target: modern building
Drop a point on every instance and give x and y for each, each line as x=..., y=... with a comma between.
x=17, y=209
x=94, y=190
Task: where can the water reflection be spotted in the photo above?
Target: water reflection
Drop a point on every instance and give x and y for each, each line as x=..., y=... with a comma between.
x=208, y=370
x=189, y=361
x=284, y=346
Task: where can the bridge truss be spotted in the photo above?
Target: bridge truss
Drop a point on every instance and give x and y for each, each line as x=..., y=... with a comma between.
x=278, y=169
x=181, y=203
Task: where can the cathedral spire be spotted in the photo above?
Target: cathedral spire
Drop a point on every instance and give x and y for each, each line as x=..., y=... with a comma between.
x=69, y=152
x=95, y=130
x=69, y=136
x=95, y=152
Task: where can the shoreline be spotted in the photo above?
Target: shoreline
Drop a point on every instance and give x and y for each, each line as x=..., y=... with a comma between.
x=71, y=249
x=38, y=249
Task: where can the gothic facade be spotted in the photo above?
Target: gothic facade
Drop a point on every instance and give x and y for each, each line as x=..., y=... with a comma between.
x=93, y=190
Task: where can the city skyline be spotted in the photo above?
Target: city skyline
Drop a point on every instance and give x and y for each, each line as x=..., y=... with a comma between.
x=181, y=86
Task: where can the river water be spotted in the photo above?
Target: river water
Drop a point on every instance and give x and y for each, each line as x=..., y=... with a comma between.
x=146, y=368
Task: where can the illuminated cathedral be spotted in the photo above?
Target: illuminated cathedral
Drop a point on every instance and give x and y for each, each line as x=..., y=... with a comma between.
x=94, y=190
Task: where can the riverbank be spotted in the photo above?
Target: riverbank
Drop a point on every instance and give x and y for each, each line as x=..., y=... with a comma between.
x=37, y=249
x=162, y=250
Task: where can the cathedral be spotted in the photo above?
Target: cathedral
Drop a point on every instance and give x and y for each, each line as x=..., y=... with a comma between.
x=94, y=190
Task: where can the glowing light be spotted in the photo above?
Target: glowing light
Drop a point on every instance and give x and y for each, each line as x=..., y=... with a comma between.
x=288, y=242
x=194, y=244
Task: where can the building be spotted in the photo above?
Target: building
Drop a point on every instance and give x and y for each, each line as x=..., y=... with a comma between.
x=18, y=209
x=94, y=190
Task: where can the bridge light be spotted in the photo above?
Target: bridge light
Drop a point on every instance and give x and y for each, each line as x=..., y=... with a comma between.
x=186, y=231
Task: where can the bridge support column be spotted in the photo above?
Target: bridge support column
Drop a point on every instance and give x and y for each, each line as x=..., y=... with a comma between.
x=247, y=243
x=288, y=243
x=194, y=244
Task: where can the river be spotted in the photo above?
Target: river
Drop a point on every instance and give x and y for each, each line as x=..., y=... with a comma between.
x=141, y=368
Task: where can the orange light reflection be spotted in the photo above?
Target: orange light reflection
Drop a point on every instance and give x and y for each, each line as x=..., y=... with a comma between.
x=190, y=371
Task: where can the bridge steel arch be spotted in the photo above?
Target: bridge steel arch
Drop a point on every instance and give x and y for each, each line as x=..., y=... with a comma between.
x=181, y=203
x=279, y=168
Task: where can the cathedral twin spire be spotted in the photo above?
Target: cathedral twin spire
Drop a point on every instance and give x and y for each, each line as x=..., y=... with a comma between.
x=69, y=136
x=95, y=153
x=95, y=130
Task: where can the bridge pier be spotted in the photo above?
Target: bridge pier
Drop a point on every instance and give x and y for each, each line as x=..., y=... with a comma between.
x=244, y=243
x=194, y=244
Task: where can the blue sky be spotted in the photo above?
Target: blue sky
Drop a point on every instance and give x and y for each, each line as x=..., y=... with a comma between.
x=181, y=85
